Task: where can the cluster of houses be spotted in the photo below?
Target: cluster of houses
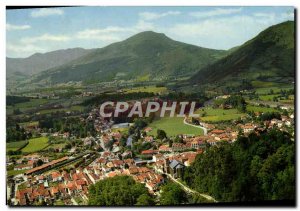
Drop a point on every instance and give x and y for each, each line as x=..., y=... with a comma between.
x=45, y=189
x=285, y=121
x=29, y=161
x=161, y=161
x=110, y=165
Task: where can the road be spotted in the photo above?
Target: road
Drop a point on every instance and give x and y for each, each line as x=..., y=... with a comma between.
x=188, y=190
x=73, y=201
x=198, y=126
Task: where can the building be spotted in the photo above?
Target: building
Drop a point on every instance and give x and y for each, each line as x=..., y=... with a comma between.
x=176, y=168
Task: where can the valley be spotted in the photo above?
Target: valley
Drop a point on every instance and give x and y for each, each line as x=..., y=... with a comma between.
x=61, y=151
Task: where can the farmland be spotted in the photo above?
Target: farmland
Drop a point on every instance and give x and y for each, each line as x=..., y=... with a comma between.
x=173, y=126
x=15, y=146
x=153, y=89
x=266, y=90
x=260, y=109
x=209, y=114
x=15, y=172
x=36, y=144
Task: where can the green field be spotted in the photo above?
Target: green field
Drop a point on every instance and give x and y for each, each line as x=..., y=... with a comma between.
x=56, y=146
x=260, y=109
x=263, y=84
x=267, y=97
x=72, y=108
x=16, y=145
x=36, y=144
x=153, y=89
x=29, y=124
x=32, y=104
x=173, y=126
x=266, y=90
x=218, y=114
x=15, y=172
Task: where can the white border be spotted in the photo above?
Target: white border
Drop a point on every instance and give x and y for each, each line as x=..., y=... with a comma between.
x=4, y=3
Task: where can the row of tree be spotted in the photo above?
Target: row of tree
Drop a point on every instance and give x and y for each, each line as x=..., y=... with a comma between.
x=257, y=167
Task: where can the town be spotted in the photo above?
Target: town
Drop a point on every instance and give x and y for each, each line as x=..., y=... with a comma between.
x=150, y=106
x=64, y=179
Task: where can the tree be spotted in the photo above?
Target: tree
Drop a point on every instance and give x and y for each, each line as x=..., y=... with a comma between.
x=258, y=167
x=145, y=200
x=116, y=191
x=39, y=162
x=161, y=134
x=172, y=194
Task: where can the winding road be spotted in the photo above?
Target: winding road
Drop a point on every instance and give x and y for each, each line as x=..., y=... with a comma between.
x=189, y=190
x=198, y=126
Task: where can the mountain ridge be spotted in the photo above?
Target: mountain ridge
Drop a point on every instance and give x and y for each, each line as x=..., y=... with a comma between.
x=147, y=53
x=39, y=62
x=269, y=54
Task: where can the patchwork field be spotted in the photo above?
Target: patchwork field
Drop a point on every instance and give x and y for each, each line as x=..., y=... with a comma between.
x=173, y=126
x=266, y=90
x=260, y=109
x=15, y=172
x=36, y=144
x=72, y=108
x=14, y=146
x=209, y=114
x=153, y=89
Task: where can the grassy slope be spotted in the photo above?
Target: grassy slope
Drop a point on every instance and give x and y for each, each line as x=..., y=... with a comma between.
x=269, y=54
x=215, y=115
x=36, y=144
x=145, y=54
x=173, y=126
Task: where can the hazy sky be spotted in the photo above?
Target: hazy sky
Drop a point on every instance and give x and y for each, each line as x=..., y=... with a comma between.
x=41, y=30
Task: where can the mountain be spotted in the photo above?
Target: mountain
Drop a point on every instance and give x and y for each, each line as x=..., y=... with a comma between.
x=269, y=56
x=39, y=62
x=144, y=56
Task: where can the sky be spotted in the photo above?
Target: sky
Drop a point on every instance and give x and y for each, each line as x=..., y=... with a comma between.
x=41, y=30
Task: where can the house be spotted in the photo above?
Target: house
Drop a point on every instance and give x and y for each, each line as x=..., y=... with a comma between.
x=197, y=143
x=178, y=147
x=148, y=139
x=24, y=166
x=88, y=141
x=149, y=152
x=176, y=168
x=56, y=176
x=212, y=142
x=148, y=129
x=157, y=157
x=247, y=128
x=164, y=148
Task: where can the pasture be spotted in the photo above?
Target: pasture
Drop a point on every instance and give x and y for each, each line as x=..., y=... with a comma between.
x=153, y=89
x=260, y=109
x=16, y=145
x=173, y=126
x=209, y=114
x=36, y=144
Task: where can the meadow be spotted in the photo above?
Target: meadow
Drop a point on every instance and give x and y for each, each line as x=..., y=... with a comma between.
x=173, y=126
x=36, y=144
x=276, y=89
x=72, y=108
x=15, y=172
x=153, y=89
x=15, y=146
x=260, y=109
x=209, y=114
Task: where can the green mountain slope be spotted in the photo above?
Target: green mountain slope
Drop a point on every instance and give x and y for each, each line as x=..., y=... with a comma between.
x=39, y=62
x=147, y=55
x=269, y=56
